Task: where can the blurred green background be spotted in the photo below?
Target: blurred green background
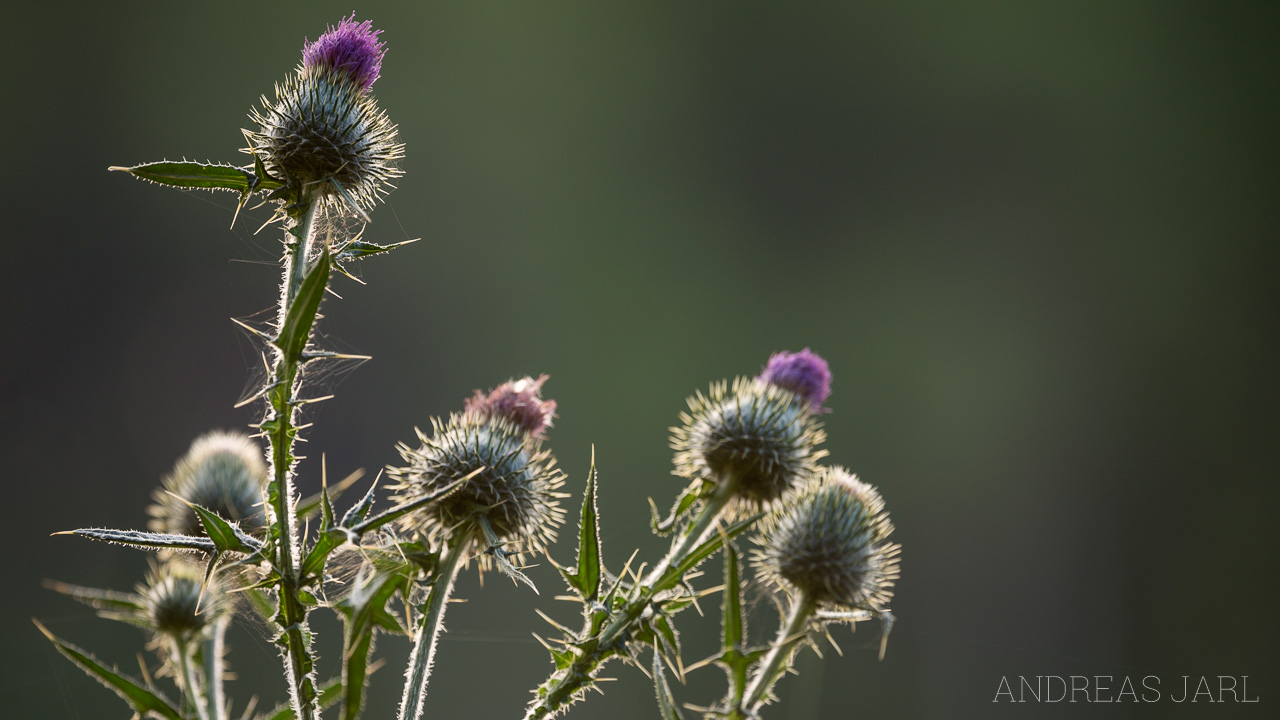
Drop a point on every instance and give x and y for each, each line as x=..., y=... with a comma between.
x=1036, y=241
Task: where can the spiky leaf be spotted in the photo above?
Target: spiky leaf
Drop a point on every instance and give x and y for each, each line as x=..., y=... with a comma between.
x=732, y=627
x=225, y=536
x=203, y=176
x=146, y=540
x=330, y=693
x=143, y=701
x=585, y=578
x=296, y=329
x=666, y=701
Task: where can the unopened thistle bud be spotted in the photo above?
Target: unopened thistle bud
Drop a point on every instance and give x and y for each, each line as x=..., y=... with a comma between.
x=830, y=542
x=325, y=133
x=761, y=435
x=511, y=481
x=223, y=472
x=177, y=602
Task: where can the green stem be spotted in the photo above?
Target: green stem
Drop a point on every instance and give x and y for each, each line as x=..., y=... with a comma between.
x=192, y=697
x=424, y=640
x=561, y=687
x=291, y=613
x=774, y=662
x=211, y=656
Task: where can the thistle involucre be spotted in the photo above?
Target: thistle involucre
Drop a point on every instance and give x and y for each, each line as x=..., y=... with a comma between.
x=172, y=596
x=758, y=434
x=831, y=543
x=223, y=472
x=511, y=483
x=324, y=132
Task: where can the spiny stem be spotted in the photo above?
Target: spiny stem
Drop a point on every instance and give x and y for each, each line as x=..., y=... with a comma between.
x=609, y=643
x=772, y=665
x=424, y=641
x=291, y=614
x=192, y=697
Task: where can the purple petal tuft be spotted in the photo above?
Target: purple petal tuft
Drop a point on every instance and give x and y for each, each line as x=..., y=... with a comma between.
x=350, y=48
x=518, y=401
x=804, y=373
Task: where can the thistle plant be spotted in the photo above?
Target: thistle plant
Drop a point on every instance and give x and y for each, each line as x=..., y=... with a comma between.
x=481, y=486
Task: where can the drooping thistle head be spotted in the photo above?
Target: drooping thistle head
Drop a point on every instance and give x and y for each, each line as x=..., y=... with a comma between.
x=223, y=472
x=511, y=481
x=830, y=542
x=761, y=433
x=176, y=601
x=325, y=134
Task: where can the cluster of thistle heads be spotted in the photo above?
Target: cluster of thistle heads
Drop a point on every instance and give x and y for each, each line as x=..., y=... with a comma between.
x=825, y=533
x=481, y=482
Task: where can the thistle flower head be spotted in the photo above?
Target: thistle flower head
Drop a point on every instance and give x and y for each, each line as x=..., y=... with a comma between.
x=351, y=48
x=511, y=482
x=804, y=373
x=177, y=602
x=830, y=541
x=223, y=472
x=324, y=133
x=518, y=401
x=757, y=434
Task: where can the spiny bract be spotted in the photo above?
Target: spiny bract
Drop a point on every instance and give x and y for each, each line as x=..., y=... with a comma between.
x=325, y=133
x=223, y=472
x=757, y=434
x=511, y=482
x=177, y=602
x=830, y=541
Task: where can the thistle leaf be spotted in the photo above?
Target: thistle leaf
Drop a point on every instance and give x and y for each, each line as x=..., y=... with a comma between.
x=682, y=505
x=733, y=626
x=586, y=577
x=330, y=693
x=143, y=701
x=296, y=329
x=358, y=249
x=308, y=506
x=364, y=610
x=666, y=701
x=706, y=550
x=360, y=510
x=225, y=536
x=204, y=176
x=146, y=540
x=110, y=600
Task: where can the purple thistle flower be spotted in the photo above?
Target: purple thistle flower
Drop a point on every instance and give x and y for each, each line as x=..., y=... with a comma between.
x=804, y=373
x=351, y=48
x=518, y=401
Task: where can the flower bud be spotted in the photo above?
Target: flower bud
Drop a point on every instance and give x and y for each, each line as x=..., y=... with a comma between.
x=830, y=542
x=223, y=472
x=325, y=133
x=758, y=434
x=175, y=606
x=511, y=482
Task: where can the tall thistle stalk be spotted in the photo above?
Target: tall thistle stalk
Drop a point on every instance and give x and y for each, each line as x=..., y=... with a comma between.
x=479, y=487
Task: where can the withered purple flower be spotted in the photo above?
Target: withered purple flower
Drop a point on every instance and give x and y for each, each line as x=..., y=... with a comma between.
x=518, y=401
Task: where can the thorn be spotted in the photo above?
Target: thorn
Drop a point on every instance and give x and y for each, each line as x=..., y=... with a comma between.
x=542, y=642
x=146, y=674
x=253, y=330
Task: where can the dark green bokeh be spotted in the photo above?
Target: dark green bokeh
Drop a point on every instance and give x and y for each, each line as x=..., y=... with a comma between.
x=1037, y=243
